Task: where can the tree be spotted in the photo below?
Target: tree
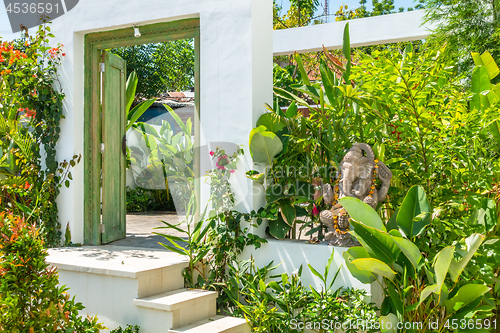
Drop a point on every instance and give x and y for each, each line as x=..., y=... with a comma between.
x=466, y=26
x=301, y=13
x=160, y=67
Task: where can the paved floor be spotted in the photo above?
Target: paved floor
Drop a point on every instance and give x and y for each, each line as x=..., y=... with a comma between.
x=141, y=226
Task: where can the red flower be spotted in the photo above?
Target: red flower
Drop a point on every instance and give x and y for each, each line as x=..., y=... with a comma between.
x=212, y=153
x=27, y=185
x=30, y=113
x=315, y=210
x=232, y=171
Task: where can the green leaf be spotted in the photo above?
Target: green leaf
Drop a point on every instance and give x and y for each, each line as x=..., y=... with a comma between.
x=374, y=266
x=137, y=112
x=255, y=176
x=291, y=111
x=361, y=212
x=272, y=122
x=494, y=128
x=287, y=211
x=480, y=82
x=289, y=96
x=414, y=204
x=384, y=323
x=378, y=244
x=131, y=86
x=278, y=228
x=302, y=71
x=326, y=79
x=410, y=250
x=264, y=145
x=275, y=192
x=473, y=242
x=464, y=296
x=442, y=263
x=350, y=255
x=489, y=63
x=346, y=49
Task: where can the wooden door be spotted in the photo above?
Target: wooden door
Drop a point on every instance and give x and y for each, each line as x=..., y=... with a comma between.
x=113, y=160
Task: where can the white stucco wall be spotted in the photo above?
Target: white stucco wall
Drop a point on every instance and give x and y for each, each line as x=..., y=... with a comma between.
x=235, y=73
x=399, y=27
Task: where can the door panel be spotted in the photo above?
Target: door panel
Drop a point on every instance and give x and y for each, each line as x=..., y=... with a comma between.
x=113, y=160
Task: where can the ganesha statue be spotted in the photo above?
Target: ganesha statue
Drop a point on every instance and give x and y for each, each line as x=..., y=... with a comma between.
x=359, y=171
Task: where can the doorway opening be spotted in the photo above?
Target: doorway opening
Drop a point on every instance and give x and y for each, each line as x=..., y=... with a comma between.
x=139, y=149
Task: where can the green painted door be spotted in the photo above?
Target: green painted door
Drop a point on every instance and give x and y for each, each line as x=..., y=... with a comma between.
x=113, y=160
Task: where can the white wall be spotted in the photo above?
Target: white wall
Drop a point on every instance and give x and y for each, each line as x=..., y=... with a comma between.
x=400, y=27
x=291, y=254
x=235, y=73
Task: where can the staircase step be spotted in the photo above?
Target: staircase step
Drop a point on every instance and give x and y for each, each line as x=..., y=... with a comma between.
x=177, y=299
x=112, y=260
x=155, y=271
x=186, y=306
x=216, y=324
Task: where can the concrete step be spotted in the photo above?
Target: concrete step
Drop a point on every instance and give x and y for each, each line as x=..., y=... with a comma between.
x=155, y=271
x=216, y=324
x=186, y=306
x=107, y=279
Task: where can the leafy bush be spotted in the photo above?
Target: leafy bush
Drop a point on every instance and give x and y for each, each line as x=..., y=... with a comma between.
x=137, y=200
x=31, y=299
x=283, y=304
x=128, y=329
x=416, y=284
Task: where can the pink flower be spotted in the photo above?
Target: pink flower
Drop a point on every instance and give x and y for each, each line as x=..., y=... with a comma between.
x=315, y=210
x=212, y=153
x=221, y=167
x=232, y=171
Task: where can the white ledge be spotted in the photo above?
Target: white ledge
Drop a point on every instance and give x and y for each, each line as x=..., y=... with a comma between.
x=400, y=27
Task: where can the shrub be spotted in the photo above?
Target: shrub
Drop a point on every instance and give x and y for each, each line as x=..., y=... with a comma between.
x=30, y=114
x=31, y=299
x=128, y=329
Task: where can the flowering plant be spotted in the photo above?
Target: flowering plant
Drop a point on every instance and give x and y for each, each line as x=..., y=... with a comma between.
x=220, y=190
x=30, y=113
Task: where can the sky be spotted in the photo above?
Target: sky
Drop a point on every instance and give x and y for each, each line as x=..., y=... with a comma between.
x=352, y=4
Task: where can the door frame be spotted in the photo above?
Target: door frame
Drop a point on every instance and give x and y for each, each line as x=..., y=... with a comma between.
x=93, y=44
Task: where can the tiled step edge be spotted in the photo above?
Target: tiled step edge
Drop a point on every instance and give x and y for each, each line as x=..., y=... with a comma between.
x=216, y=324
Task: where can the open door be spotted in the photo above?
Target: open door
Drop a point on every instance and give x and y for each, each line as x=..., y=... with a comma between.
x=113, y=216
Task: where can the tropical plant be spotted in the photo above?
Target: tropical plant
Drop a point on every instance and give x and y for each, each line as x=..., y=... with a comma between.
x=465, y=26
x=295, y=149
x=416, y=286
x=31, y=299
x=136, y=112
x=281, y=303
x=486, y=95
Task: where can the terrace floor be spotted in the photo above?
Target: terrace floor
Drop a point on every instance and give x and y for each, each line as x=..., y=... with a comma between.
x=140, y=228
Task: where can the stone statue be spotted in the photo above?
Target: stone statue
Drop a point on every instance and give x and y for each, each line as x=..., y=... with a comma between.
x=359, y=172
